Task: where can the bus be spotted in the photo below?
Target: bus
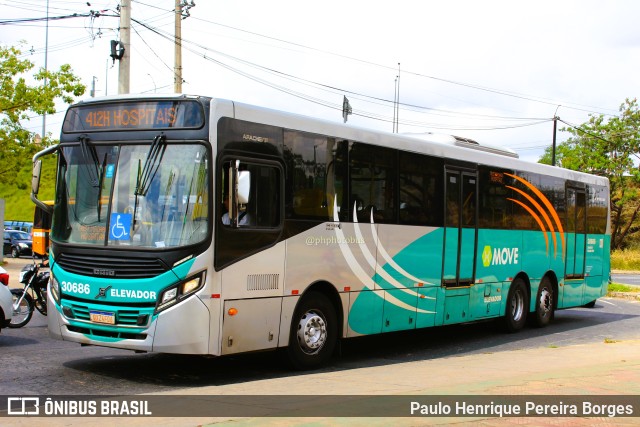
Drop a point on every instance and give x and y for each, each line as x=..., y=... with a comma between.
x=189, y=224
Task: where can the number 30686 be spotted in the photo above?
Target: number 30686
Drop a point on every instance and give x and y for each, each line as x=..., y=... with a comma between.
x=76, y=288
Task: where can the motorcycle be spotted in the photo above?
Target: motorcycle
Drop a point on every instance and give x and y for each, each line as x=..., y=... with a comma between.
x=34, y=294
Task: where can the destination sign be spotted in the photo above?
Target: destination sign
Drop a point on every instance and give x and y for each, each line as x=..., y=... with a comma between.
x=140, y=115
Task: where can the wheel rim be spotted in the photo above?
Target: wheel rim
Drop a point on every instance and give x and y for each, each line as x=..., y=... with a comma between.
x=15, y=253
x=546, y=302
x=312, y=332
x=20, y=312
x=517, y=305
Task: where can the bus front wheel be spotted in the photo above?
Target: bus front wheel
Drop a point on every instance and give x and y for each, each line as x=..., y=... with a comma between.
x=314, y=332
x=517, y=306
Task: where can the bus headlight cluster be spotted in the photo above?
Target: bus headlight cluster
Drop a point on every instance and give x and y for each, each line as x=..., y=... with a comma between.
x=180, y=291
x=55, y=289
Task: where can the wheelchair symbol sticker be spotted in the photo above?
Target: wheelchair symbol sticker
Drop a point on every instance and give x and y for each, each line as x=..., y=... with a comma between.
x=110, y=170
x=120, y=226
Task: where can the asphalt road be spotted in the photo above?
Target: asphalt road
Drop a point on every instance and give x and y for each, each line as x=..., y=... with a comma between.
x=626, y=279
x=33, y=363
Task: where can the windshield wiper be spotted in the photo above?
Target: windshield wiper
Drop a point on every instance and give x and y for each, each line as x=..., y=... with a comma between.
x=100, y=183
x=151, y=165
x=147, y=172
x=90, y=156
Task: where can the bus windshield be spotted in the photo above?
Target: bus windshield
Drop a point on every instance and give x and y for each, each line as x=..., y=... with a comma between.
x=148, y=195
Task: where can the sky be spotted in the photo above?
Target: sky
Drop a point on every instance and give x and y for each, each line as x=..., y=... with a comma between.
x=493, y=71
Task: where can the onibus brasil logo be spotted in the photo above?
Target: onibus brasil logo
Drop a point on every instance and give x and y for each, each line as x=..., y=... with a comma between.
x=499, y=256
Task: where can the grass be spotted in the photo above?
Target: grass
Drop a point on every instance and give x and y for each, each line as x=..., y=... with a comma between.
x=617, y=287
x=627, y=259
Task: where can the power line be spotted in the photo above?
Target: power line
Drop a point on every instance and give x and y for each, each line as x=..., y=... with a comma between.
x=468, y=85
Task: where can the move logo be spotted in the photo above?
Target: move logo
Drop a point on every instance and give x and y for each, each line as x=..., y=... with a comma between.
x=499, y=256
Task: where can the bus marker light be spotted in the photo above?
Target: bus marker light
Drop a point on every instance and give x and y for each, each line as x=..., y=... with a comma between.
x=347, y=288
x=215, y=296
x=295, y=292
x=232, y=311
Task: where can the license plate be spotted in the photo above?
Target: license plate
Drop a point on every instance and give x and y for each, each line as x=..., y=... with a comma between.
x=102, y=317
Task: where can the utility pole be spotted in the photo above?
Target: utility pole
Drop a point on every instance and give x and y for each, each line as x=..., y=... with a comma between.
x=177, y=85
x=124, y=70
x=181, y=12
x=555, y=130
x=553, y=149
x=46, y=69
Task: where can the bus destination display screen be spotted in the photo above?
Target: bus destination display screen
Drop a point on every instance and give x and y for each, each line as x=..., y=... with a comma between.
x=140, y=115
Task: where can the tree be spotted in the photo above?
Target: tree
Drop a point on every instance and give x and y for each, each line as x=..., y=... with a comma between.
x=19, y=99
x=609, y=148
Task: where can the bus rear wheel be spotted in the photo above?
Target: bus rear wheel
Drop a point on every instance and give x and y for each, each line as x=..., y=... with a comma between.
x=517, y=306
x=545, y=301
x=314, y=332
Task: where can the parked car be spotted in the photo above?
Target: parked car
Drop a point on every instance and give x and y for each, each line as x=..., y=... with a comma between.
x=6, y=299
x=17, y=243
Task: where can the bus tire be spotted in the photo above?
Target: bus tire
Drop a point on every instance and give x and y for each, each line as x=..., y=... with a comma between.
x=314, y=332
x=545, y=301
x=590, y=304
x=515, y=315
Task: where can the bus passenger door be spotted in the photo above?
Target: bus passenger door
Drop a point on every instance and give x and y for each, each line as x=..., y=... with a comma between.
x=576, y=246
x=459, y=243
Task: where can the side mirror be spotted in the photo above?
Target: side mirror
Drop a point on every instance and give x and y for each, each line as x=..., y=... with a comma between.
x=244, y=186
x=35, y=178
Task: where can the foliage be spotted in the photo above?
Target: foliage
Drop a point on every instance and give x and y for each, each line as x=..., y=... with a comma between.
x=609, y=147
x=626, y=259
x=17, y=195
x=19, y=99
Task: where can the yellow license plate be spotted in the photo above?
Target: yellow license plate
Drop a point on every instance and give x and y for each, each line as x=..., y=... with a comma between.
x=102, y=317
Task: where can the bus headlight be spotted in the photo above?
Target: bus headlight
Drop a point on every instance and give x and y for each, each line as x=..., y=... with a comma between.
x=55, y=289
x=180, y=291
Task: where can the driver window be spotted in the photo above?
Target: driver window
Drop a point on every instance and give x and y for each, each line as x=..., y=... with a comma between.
x=262, y=209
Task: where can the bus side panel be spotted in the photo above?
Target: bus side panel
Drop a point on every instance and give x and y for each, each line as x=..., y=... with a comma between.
x=343, y=255
x=596, y=270
x=409, y=270
x=538, y=254
x=254, y=288
x=365, y=313
x=254, y=326
x=499, y=255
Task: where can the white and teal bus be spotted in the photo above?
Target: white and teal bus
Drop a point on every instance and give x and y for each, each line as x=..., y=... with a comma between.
x=187, y=224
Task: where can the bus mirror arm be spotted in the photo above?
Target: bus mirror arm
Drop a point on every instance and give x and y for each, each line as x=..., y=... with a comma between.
x=35, y=179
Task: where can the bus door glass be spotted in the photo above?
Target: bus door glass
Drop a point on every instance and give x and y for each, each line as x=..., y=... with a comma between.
x=576, y=229
x=460, y=231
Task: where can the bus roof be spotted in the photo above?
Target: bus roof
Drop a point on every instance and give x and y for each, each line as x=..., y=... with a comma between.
x=439, y=145
x=445, y=146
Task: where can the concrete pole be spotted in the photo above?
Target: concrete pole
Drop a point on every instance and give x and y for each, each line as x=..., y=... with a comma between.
x=177, y=86
x=124, y=70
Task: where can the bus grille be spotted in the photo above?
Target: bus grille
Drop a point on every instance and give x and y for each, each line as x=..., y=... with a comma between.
x=123, y=317
x=106, y=334
x=116, y=267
